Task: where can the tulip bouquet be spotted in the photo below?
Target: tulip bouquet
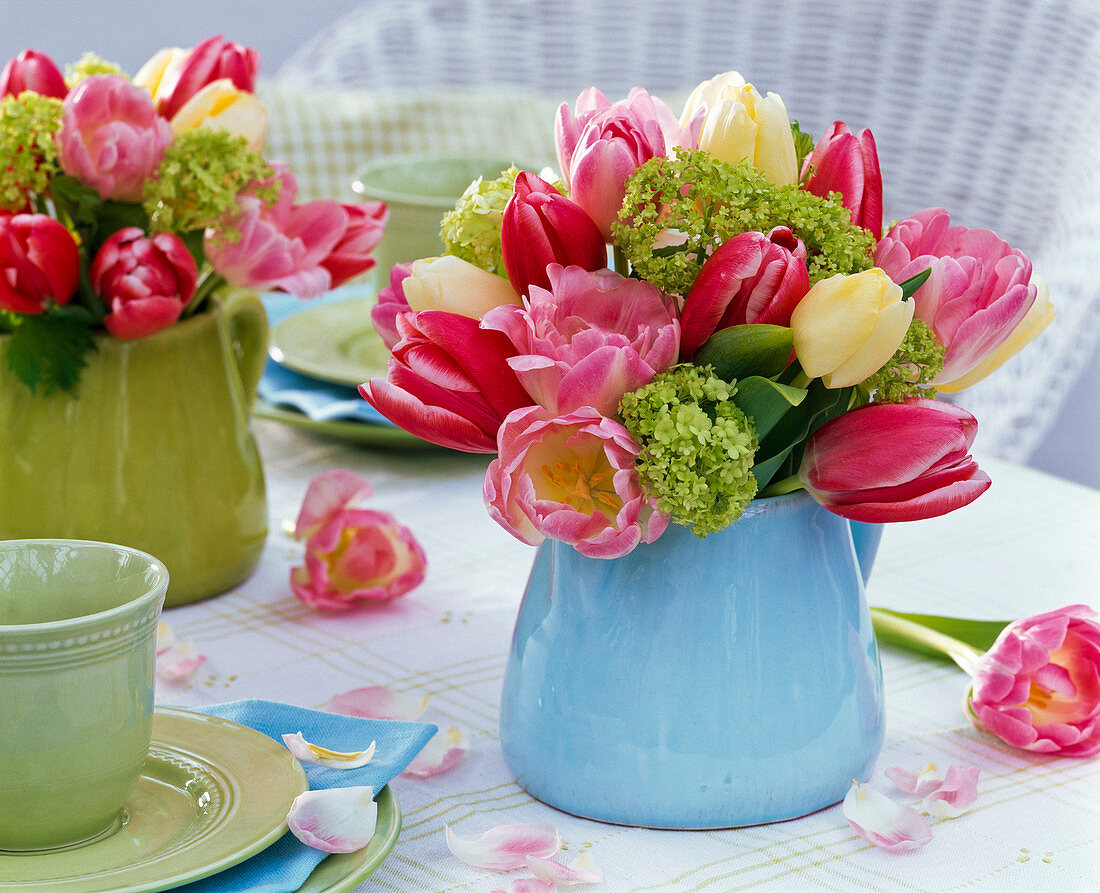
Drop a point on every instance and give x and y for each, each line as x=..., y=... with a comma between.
x=125, y=203
x=700, y=311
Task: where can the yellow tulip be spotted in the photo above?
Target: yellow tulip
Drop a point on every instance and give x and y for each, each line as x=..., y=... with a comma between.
x=847, y=327
x=1026, y=331
x=456, y=286
x=151, y=74
x=221, y=105
x=741, y=125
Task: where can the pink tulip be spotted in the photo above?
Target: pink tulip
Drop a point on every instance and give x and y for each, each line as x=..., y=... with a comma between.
x=449, y=381
x=978, y=291
x=601, y=144
x=213, y=59
x=588, y=339
x=894, y=462
x=366, y=222
x=391, y=303
x=1038, y=687
x=846, y=163
x=571, y=478
x=541, y=227
x=111, y=138
x=39, y=263
x=146, y=281
x=282, y=247
x=752, y=278
x=34, y=71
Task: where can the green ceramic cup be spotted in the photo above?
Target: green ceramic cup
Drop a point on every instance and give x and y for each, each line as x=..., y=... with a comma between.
x=418, y=189
x=78, y=622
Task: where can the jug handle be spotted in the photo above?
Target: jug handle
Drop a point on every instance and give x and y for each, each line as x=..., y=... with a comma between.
x=246, y=321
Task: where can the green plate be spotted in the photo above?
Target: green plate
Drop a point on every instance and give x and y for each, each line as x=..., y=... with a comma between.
x=212, y=794
x=343, y=429
x=333, y=342
x=340, y=873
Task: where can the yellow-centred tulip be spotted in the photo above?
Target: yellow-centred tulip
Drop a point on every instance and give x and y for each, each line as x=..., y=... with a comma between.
x=1026, y=331
x=222, y=105
x=151, y=74
x=847, y=327
x=457, y=286
x=741, y=125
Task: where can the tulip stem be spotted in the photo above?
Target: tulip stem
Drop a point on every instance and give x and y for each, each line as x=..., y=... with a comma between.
x=622, y=265
x=207, y=285
x=900, y=631
x=779, y=488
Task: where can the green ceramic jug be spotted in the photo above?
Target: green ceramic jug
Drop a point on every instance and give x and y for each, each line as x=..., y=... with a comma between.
x=155, y=451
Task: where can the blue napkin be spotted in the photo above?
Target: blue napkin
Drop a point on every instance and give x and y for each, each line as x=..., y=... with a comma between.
x=284, y=866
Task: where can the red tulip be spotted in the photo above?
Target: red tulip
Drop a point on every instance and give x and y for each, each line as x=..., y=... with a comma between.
x=542, y=227
x=752, y=278
x=846, y=163
x=213, y=59
x=351, y=256
x=146, y=281
x=449, y=381
x=894, y=462
x=34, y=71
x=39, y=263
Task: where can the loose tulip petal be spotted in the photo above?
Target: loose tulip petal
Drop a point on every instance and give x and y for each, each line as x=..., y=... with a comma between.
x=378, y=702
x=445, y=751
x=179, y=663
x=919, y=784
x=882, y=822
x=584, y=870
x=506, y=846
x=336, y=820
x=327, y=494
x=322, y=756
x=526, y=885
x=955, y=794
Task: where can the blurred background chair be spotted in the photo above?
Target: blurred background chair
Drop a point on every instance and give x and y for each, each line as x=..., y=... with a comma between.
x=989, y=108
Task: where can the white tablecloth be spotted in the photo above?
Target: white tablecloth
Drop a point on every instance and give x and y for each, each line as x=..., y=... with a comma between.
x=1030, y=544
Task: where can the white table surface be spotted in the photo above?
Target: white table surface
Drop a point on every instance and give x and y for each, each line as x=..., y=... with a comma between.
x=1030, y=544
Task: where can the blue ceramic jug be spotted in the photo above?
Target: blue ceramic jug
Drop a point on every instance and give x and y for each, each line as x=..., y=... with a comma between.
x=710, y=683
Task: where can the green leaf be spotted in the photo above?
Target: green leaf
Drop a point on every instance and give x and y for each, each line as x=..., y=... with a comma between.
x=740, y=351
x=803, y=143
x=979, y=634
x=910, y=285
x=49, y=349
x=76, y=201
x=765, y=470
x=766, y=402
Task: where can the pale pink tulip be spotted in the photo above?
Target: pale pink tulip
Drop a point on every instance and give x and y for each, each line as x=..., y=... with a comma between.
x=977, y=293
x=890, y=826
x=378, y=702
x=280, y=247
x=600, y=144
x=33, y=71
x=351, y=255
x=894, y=462
x=505, y=847
x=111, y=138
x=571, y=478
x=213, y=59
x=542, y=227
x=846, y=163
x=39, y=263
x=752, y=278
x=145, y=281
x=590, y=338
x=390, y=304
x=449, y=381
x=1038, y=687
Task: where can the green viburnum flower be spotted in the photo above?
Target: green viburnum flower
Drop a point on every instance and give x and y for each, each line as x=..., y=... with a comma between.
x=472, y=230
x=709, y=202
x=917, y=361
x=88, y=65
x=697, y=447
x=27, y=127
x=199, y=177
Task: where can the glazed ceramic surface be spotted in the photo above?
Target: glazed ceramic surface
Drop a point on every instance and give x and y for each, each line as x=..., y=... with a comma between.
x=695, y=683
x=332, y=342
x=418, y=190
x=77, y=646
x=155, y=451
x=212, y=794
x=867, y=539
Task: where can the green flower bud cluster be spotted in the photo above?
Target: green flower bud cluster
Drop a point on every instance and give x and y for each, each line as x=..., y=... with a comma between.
x=199, y=178
x=27, y=127
x=88, y=65
x=709, y=202
x=917, y=361
x=697, y=447
x=472, y=230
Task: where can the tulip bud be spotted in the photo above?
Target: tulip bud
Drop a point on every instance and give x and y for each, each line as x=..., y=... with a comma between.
x=34, y=71
x=847, y=327
x=213, y=59
x=845, y=163
x=220, y=105
x=151, y=74
x=542, y=227
x=39, y=263
x=457, y=286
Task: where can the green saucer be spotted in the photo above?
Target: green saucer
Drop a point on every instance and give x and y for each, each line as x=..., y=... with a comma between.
x=333, y=342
